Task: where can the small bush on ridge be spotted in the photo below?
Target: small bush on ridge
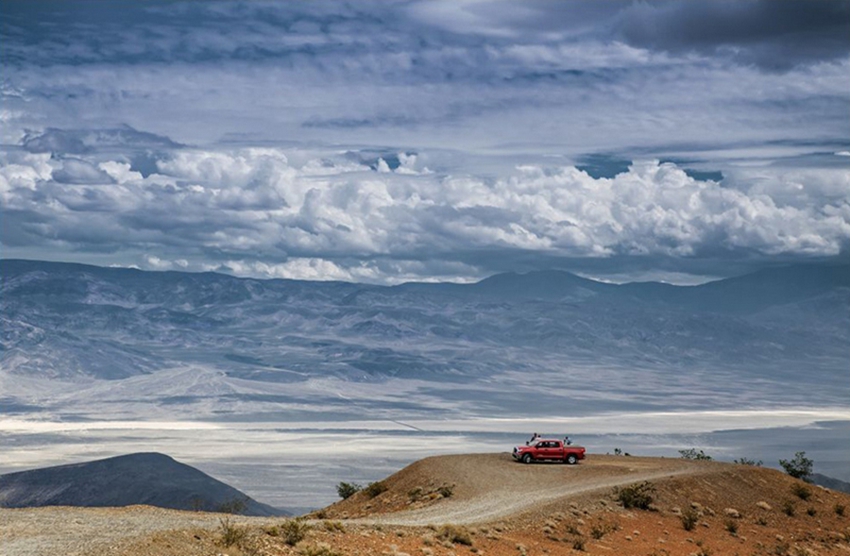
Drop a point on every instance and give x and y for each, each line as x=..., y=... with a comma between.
x=732, y=526
x=689, y=519
x=693, y=453
x=293, y=531
x=454, y=534
x=638, y=495
x=375, y=489
x=446, y=491
x=802, y=491
x=788, y=508
x=347, y=490
x=320, y=549
x=231, y=533
x=800, y=467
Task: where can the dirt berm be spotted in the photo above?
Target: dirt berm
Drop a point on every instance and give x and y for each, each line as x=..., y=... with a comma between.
x=488, y=487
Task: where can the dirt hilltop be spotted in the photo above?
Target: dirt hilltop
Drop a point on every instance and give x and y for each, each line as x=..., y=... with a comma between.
x=485, y=504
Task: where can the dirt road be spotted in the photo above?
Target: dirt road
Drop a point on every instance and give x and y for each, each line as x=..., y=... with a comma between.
x=489, y=487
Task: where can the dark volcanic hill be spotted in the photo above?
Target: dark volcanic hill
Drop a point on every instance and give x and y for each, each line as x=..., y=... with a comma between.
x=143, y=478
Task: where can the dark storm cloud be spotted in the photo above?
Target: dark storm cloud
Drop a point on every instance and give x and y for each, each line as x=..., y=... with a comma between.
x=773, y=35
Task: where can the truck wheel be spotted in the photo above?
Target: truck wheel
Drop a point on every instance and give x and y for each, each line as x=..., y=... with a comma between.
x=527, y=458
x=572, y=459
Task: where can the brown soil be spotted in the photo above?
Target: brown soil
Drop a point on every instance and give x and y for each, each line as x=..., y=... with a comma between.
x=500, y=507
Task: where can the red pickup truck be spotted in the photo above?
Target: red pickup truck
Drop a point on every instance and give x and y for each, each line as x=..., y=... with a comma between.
x=543, y=449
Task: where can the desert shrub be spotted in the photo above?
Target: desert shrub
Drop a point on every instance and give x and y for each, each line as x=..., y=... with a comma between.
x=800, y=467
x=802, y=491
x=638, y=495
x=788, y=508
x=839, y=509
x=578, y=544
x=693, y=453
x=347, y=490
x=415, y=494
x=732, y=526
x=689, y=519
x=446, y=491
x=273, y=531
x=293, y=531
x=235, y=505
x=333, y=526
x=598, y=530
x=761, y=520
x=455, y=534
x=375, y=489
x=748, y=461
x=320, y=549
x=231, y=534
x=811, y=511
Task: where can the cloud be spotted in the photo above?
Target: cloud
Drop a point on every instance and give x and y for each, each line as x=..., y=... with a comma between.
x=770, y=35
x=85, y=141
x=254, y=212
x=416, y=139
x=537, y=77
x=76, y=171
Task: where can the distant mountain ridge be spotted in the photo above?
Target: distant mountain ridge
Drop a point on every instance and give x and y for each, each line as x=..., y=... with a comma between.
x=742, y=293
x=660, y=346
x=830, y=482
x=143, y=478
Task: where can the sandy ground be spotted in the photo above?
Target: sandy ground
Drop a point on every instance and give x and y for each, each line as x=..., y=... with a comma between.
x=68, y=531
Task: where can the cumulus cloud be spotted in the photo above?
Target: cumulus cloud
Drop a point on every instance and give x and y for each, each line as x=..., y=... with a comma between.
x=255, y=212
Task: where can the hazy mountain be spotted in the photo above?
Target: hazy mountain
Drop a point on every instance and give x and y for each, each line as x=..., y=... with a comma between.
x=779, y=335
x=829, y=482
x=144, y=478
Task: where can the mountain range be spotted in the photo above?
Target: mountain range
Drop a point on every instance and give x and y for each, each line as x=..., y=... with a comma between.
x=511, y=342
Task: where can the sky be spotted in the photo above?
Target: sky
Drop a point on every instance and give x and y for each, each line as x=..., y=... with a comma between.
x=385, y=142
